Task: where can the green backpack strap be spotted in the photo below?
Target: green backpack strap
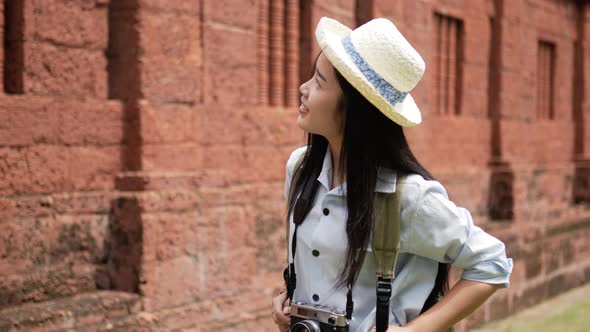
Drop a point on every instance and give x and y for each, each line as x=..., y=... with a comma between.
x=386, y=233
x=386, y=244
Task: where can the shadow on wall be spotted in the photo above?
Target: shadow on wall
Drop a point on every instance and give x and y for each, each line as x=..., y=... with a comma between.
x=582, y=184
x=501, y=195
x=124, y=247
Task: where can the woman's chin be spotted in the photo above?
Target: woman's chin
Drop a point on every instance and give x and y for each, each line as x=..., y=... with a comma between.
x=301, y=123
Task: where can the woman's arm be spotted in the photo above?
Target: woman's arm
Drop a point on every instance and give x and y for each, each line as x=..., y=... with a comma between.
x=460, y=301
x=446, y=233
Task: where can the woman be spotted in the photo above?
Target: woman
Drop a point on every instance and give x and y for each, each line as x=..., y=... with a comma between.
x=354, y=108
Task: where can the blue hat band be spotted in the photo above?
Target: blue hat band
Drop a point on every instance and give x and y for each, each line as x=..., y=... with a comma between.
x=386, y=90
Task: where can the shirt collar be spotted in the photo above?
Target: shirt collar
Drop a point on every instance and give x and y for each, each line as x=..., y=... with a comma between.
x=326, y=173
x=386, y=178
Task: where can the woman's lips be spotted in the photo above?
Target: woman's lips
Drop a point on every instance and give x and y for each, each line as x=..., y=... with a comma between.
x=303, y=109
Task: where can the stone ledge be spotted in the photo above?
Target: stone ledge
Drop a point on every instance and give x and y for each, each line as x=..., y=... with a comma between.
x=70, y=312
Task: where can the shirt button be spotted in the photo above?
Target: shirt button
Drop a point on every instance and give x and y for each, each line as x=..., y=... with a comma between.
x=315, y=253
x=326, y=212
x=316, y=297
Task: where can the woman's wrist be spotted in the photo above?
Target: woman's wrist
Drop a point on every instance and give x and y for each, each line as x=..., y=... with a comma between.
x=395, y=328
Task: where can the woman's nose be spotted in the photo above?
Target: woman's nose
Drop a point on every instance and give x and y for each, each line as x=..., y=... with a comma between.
x=302, y=89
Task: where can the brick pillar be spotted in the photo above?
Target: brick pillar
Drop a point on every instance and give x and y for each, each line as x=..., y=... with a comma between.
x=501, y=189
x=155, y=67
x=581, y=186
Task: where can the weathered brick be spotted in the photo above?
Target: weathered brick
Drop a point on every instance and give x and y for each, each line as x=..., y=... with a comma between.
x=170, y=123
x=57, y=70
x=53, y=240
x=170, y=200
x=27, y=121
x=168, y=235
x=530, y=296
x=499, y=305
x=179, y=6
x=242, y=164
x=92, y=168
x=94, y=318
x=256, y=126
x=84, y=122
x=171, y=282
x=171, y=64
x=534, y=263
x=14, y=173
x=42, y=285
x=270, y=226
x=556, y=285
x=77, y=238
x=70, y=23
x=82, y=202
x=230, y=70
x=218, y=280
x=172, y=157
x=225, y=12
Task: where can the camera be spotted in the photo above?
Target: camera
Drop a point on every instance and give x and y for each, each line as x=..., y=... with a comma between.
x=316, y=318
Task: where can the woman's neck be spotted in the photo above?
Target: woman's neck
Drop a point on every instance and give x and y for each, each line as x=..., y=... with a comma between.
x=335, y=146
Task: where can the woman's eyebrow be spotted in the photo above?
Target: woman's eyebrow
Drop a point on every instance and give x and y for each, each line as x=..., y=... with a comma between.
x=320, y=75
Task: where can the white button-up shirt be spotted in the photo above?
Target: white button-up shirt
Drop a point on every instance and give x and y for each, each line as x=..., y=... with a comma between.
x=433, y=229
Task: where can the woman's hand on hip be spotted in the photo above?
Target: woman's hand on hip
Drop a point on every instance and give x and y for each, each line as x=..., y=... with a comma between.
x=281, y=311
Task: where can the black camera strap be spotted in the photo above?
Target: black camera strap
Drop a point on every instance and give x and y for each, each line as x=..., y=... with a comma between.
x=291, y=277
x=349, y=303
x=383, y=298
x=302, y=206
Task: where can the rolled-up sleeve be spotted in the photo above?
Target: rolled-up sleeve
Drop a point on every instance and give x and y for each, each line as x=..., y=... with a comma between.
x=441, y=231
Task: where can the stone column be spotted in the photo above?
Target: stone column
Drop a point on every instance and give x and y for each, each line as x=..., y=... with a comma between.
x=581, y=185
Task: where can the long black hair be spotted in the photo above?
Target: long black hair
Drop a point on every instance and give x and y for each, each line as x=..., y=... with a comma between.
x=370, y=140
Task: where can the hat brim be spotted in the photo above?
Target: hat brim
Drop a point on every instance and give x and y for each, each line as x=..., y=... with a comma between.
x=329, y=35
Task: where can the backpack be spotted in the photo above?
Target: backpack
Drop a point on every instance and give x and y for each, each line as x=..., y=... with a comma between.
x=385, y=244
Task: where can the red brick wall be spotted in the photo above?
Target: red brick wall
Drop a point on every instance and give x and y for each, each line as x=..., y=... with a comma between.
x=143, y=143
x=60, y=147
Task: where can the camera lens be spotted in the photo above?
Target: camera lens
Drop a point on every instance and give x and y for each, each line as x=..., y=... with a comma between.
x=306, y=326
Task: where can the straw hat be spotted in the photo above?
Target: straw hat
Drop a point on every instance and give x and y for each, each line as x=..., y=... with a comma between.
x=378, y=61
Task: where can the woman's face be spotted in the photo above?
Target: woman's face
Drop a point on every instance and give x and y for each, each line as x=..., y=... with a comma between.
x=321, y=111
